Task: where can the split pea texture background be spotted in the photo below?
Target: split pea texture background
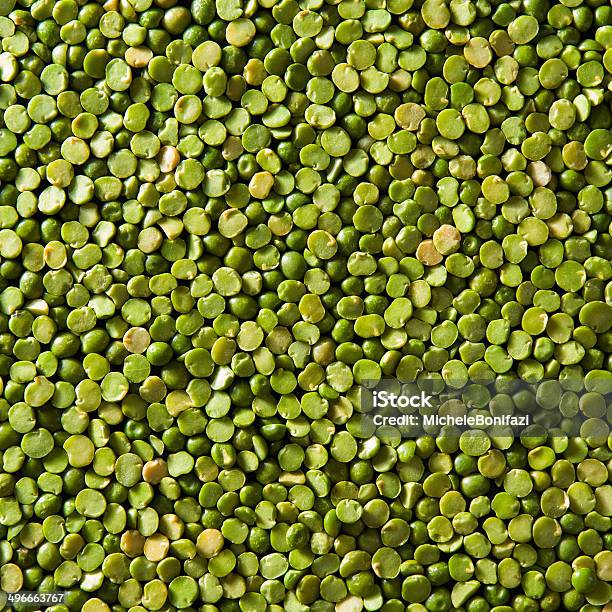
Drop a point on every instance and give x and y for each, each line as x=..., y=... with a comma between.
x=219, y=220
